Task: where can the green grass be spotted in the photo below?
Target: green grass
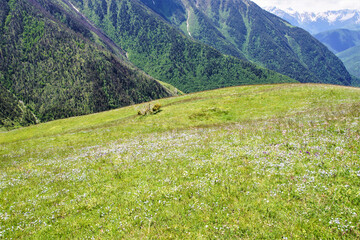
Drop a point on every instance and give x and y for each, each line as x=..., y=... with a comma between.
x=271, y=161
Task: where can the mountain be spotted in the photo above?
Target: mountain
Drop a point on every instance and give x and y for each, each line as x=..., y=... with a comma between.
x=60, y=67
x=56, y=61
x=346, y=45
x=339, y=40
x=165, y=53
x=356, y=81
x=351, y=59
x=321, y=21
x=242, y=29
x=64, y=58
x=338, y=30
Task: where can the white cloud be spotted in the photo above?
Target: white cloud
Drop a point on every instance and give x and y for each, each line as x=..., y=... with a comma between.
x=311, y=5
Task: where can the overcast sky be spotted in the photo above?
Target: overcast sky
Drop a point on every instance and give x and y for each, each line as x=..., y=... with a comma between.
x=311, y=5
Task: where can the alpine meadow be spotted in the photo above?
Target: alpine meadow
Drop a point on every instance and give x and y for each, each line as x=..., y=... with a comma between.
x=271, y=161
x=176, y=119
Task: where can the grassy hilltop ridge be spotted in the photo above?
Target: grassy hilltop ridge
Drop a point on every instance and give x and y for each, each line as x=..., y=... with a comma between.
x=266, y=161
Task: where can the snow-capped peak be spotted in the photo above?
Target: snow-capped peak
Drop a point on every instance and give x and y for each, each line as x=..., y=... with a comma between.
x=319, y=21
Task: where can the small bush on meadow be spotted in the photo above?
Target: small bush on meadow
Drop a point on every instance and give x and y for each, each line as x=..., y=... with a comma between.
x=150, y=109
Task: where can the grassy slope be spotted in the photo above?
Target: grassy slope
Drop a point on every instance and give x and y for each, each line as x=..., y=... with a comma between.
x=267, y=161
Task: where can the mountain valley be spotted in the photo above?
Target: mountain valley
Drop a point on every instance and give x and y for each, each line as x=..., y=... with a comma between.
x=60, y=63
x=346, y=45
x=67, y=58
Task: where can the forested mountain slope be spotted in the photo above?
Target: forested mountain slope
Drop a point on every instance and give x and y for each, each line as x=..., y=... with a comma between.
x=55, y=64
x=242, y=29
x=165, y=53
x=13, y=112
x=346, y=45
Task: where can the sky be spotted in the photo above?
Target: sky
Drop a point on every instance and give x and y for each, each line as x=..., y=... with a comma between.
x=311, y=5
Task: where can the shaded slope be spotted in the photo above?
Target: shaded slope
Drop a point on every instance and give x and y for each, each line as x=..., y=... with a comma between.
x=13, y=113
x=355, y=81
x=339, y=40
x=165, y=53
x=351, y=59
x=50, y=61
x=346, y=44
x=242, y=29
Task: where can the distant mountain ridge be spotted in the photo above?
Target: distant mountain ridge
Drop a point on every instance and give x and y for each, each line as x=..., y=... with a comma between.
x=340, y=39
x=346, y=45
x=351, y=59
x=164, y=52
x=320, y=22
x=338, y=30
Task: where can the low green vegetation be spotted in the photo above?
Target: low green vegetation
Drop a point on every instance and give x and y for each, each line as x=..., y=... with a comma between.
x=251, y=162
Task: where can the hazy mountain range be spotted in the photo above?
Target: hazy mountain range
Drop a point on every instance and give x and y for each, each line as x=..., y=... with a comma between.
x=346, y=45
x=339, y=40
x=322, y=21
x=338, y=30
x=351, y=59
